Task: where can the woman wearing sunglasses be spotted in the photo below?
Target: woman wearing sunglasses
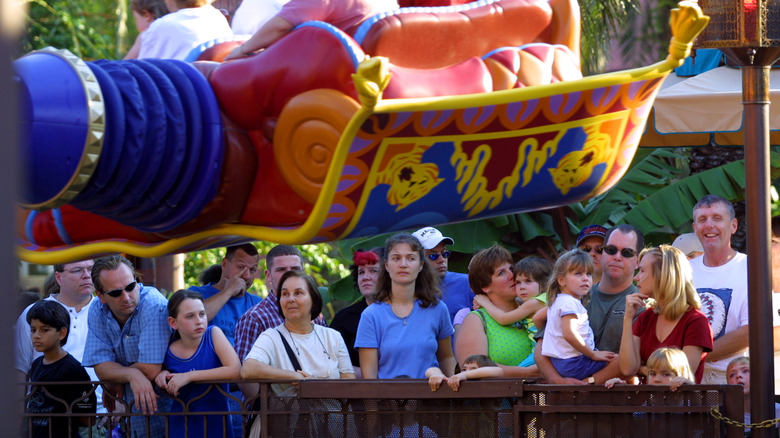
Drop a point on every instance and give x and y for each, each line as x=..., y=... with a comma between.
x=665, y=284
x=408, y=329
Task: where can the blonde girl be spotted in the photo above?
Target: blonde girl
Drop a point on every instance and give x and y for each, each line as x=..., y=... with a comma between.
x=569, y=340
x=665, y=366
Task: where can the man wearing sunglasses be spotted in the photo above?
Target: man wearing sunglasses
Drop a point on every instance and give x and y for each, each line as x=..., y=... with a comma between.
x=455, y=289
x=591, y=240
x=75, y=295
x=127, y=340
x=619, y=261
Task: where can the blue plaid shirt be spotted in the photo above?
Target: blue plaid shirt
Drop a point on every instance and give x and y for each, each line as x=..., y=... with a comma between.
x=143, y=338
x=108, y=342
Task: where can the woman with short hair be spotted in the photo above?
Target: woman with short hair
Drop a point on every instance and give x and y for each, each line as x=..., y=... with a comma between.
x=320, y=351
x=508, y=345
x=365, y=274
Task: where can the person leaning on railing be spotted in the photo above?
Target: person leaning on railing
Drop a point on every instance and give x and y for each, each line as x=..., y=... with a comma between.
x=490, y=274
x=674, y=319
x=408, y=329
x=298, y=349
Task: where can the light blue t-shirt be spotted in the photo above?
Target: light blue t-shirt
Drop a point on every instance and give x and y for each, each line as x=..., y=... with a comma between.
x=404, y=349
x=228, y=315
x=456, y=292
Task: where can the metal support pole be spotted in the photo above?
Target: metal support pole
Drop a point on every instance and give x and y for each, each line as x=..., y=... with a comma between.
x=11, y=25
x=755, y=93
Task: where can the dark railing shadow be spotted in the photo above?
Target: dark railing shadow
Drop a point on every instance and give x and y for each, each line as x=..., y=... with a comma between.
x=486, y=408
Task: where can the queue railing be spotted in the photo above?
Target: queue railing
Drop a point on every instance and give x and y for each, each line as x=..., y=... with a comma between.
x=408, y=408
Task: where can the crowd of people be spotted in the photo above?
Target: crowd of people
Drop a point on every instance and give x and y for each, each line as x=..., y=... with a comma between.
x=654, y=317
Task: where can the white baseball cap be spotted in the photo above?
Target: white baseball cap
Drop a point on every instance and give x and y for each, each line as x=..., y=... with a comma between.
x=430, y=237
x=687, y=243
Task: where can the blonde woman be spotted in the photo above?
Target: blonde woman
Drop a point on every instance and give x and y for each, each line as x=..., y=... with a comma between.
x=665, y=284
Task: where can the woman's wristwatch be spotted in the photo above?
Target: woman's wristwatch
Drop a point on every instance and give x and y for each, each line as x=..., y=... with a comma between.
x=591, y=380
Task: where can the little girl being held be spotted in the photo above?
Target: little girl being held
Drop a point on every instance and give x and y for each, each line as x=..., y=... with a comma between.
x=197, y=352
x=475, y=366
x=531, y=276
x=569, y=340
x=665, y=366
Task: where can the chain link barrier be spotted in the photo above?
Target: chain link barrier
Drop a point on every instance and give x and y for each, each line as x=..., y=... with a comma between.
x=762, y=425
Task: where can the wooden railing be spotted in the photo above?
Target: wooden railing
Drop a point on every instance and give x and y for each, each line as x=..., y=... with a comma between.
x=487, y=408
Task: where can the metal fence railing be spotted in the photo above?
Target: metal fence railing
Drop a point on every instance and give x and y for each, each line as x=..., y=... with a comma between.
x=487, y=408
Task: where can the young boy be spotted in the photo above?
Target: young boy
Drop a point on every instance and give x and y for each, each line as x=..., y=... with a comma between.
x=738, y=373
x=475, y=366
x=49, y=323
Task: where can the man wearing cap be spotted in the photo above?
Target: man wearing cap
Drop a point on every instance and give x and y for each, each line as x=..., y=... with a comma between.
x=689, y=244
x=591, y=240
x=619, y=261
x=455, y=289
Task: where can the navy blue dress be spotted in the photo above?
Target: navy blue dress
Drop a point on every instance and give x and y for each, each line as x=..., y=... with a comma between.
x=204, y=358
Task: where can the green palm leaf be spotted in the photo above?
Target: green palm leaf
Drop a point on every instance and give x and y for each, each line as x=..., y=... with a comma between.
x=651, y=171
x=672, y=206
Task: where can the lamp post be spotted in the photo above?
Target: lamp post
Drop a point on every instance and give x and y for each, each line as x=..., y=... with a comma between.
x=748, y=32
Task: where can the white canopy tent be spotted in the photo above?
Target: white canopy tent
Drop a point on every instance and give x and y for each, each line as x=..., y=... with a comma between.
x=691, y=111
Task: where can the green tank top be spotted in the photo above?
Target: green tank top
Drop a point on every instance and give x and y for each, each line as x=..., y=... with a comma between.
x=507, y=344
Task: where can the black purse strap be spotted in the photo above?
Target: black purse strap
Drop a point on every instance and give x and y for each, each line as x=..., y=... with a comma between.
x=290, y=354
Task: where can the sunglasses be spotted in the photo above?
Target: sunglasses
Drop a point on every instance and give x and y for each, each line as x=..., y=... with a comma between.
x=435, y=256
x=117, y=292
x=625, y=252
x=597, y=248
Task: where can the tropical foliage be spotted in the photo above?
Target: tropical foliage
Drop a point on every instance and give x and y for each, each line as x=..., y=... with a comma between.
x=93, y=29
x=321, y=262
x=648, y=24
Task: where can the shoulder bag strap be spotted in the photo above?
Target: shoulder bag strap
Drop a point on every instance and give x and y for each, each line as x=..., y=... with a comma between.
x=290, y=354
